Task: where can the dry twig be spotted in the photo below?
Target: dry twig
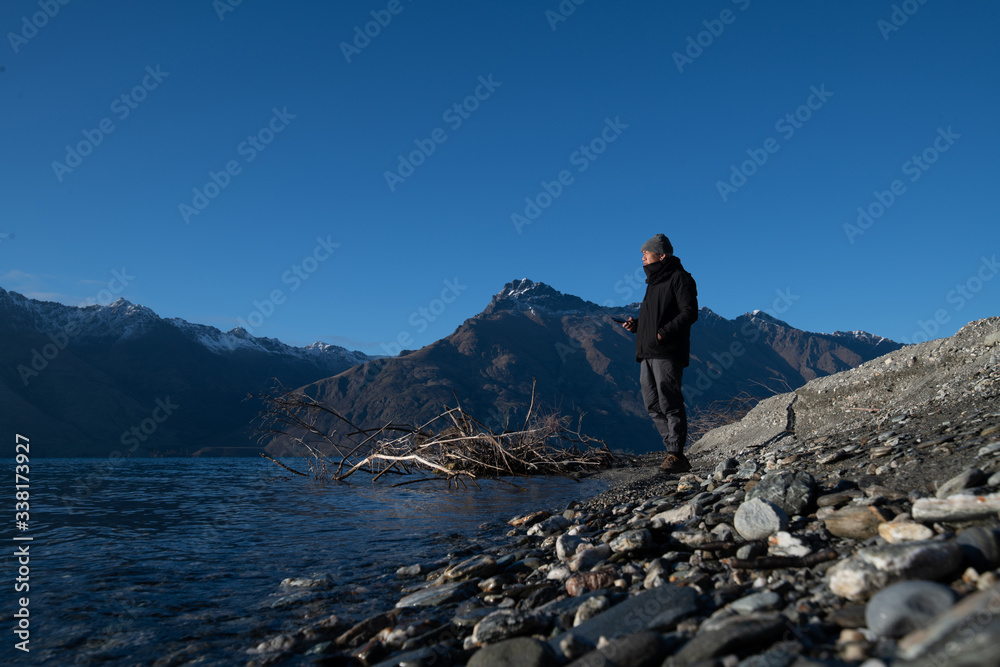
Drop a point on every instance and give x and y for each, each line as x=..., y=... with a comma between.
x=464, y=449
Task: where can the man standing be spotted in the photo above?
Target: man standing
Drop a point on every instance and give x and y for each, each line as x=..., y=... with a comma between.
x=663, y=345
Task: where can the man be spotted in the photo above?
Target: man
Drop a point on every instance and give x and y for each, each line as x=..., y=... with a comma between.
x=663, y=345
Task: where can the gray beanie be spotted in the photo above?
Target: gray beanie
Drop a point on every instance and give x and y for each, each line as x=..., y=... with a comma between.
x=659, y=244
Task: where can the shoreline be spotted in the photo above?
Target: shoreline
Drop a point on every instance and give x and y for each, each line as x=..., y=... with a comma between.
x=871, y=537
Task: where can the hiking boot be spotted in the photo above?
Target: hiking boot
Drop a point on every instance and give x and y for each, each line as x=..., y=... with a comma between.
x=675, y=463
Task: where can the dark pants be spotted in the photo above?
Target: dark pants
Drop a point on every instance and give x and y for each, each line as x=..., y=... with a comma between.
x=660, y=380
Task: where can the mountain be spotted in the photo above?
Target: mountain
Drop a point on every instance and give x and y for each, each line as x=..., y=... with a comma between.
x=580, y=362
x=88, y=381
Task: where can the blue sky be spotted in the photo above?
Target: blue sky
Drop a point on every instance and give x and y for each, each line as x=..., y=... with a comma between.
x=834, y=163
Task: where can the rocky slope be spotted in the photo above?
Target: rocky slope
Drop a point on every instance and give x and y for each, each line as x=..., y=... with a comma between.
x=811, y=533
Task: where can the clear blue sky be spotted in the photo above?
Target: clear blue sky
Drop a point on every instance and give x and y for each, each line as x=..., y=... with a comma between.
x=749, y=132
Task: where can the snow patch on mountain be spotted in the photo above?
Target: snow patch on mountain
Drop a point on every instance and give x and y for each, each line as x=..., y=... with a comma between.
x=122, y=320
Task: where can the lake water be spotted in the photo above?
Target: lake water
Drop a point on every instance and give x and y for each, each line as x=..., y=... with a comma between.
x=172, y=561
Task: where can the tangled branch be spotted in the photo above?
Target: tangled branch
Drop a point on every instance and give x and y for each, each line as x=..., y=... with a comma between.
x=453, y=446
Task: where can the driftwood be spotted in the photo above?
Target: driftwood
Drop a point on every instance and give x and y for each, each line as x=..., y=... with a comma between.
x=453, y=446
x=778, y=562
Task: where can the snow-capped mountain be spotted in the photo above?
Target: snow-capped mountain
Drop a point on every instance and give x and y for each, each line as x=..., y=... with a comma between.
x=533, y=341
x=122, y=321
x=82, y=380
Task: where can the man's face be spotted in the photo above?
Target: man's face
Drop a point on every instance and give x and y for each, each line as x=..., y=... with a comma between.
x=651, y=257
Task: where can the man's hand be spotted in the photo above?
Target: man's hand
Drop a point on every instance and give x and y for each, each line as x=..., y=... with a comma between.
x=631, y=324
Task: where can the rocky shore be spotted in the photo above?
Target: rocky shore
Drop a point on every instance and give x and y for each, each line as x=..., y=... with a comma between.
x=851, y=522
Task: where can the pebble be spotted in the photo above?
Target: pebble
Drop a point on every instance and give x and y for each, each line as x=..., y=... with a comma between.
x=980, y=547
x=856, y=522
x=757, y=519
x=956, y=508
x=907, y=606
x=873, y=568
x=765, y=601
x=967, y=634
x=895, y=532
x=792, y=491
x=727, y=566
x=966, y=480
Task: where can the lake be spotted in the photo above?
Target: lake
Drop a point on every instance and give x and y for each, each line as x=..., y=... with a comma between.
x=134, y=561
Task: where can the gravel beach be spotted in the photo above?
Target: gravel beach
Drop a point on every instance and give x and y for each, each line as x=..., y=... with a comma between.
x=851, y=522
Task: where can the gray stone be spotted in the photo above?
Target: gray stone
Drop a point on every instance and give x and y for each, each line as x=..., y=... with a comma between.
x=966, y=480
x=742, y=635
x=517, y=652
x=567, y=545
x=658, y=609
x=765, y=601
x=855, y=522
x=587, y=559
x=436, y=595
x=676, y=516
x=591, y=607
x=967, y=635
x=906, y=606
x=549, y=526
x=471, y=568
x=956, y=508
x=991, y=448
x=839, y=498
x=507, y=623
x=632, y=540
x=792, y=491
x=873, y=568
x=642, y=649
x=980, y=547
x=758, y=518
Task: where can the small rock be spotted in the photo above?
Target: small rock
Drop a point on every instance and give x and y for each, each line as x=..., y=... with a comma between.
x=587, y=559
x=567, y=545
x=991, y=448
x=589, y=608
x=757, y=519
x=582, y=582
x=475, y=567
x=438, y=595
x=873, y=568
x=765, y=601
x=553, y=524
x=786, y=544
x=906, y=606
x=642, y=649
x=956, y=508
x=895, y=532
x=839, y=498
x=742, y=635
x=632, y=540
x=966, y=480
x=980, y=547
x=856, y=522
x=676, y=516
x=747, y=470
x=968, y=634
x=507, y=623
x=301, y=582
x=792, y=491
x=526, y=651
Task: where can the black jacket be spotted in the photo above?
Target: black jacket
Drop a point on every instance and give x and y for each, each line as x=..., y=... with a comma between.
x=669, y=308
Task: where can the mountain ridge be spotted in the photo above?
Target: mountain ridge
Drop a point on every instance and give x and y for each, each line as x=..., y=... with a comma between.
x=83, y=377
